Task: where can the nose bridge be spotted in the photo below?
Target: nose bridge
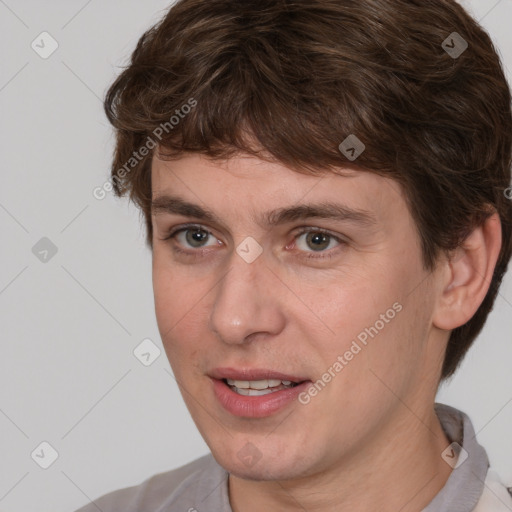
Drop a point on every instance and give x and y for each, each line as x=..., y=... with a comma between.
x=244, y=302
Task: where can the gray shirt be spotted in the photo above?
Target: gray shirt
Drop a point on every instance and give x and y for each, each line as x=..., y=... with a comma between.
x=202, y=485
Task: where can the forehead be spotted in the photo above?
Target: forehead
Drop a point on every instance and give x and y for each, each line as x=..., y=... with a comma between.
x=247, y=183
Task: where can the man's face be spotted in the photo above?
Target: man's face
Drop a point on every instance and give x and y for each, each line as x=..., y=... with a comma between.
x=252, y=295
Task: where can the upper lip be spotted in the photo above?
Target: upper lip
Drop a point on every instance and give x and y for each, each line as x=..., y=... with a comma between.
x=251, y=374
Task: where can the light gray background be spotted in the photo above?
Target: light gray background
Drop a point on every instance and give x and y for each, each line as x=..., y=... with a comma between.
x=69, y=326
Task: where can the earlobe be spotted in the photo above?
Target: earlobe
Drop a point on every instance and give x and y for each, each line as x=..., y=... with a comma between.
x=468, y=275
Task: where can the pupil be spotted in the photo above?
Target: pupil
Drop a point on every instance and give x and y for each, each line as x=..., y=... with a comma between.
x=196, y=237
x=320, y=240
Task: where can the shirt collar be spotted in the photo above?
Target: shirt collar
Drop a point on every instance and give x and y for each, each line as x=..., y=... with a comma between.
x=461, y=492
x=465, y=484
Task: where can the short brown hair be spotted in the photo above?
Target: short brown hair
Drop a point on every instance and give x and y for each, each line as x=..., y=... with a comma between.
x=293, y=78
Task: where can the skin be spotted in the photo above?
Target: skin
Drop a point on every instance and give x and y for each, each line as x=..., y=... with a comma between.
x=370, y=440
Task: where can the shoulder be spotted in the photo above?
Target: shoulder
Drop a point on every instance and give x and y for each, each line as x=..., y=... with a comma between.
x=496, y=497
x=156, y=490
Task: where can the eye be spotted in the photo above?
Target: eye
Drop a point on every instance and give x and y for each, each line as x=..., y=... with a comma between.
x=316, y=243
x=192, y=237
x=317, y=240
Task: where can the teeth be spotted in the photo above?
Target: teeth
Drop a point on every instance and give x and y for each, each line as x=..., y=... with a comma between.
x=253, y=392
x=264, y=384
x=240, y=384
x=258, y=384
x=258, y=387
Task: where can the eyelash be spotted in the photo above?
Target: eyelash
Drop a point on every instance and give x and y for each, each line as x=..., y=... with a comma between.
x=187, y=227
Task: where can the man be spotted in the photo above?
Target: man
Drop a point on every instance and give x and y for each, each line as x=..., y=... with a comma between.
x=324, y=187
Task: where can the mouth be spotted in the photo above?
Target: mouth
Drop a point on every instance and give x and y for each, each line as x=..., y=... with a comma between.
x=259, y=387
x=256, y=393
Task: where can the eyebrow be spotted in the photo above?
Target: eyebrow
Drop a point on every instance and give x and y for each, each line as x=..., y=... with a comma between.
x=324, y=210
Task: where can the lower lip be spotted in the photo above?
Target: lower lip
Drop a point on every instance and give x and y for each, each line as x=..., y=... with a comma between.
x=255, y=406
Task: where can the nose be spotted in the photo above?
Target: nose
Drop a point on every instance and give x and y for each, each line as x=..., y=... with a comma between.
x=248, y=301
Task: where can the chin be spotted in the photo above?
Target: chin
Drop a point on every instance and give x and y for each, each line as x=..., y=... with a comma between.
x=265, y=471
x=249, y=463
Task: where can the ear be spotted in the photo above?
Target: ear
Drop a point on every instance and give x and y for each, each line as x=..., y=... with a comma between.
x=467, y=275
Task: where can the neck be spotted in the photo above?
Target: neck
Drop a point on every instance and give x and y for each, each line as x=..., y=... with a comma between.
x=405, y=473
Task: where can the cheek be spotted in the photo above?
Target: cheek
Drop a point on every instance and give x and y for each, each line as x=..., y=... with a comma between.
x=180, y=308
x=345, y=308
x=370, y=310
x=180, y=312
x=165, y=292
